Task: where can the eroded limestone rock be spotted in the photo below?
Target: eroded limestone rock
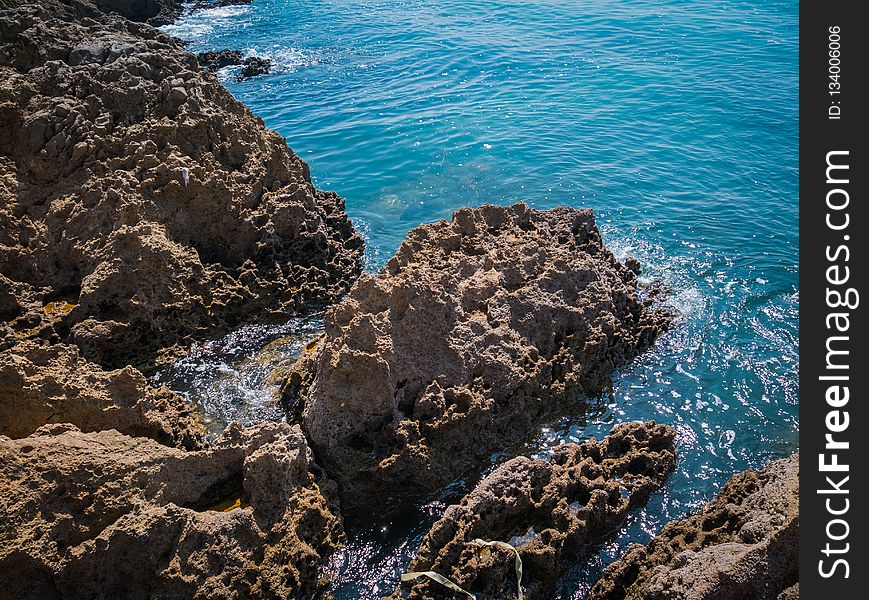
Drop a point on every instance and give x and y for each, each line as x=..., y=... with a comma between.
x=742, y=544
x=105, y=515
x=137, y=190
x=473, y=332
x=548, y=510
x=42, y=384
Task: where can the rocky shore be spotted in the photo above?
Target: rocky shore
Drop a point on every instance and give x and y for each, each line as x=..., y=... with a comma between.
x=143, y=208
x=120, y=155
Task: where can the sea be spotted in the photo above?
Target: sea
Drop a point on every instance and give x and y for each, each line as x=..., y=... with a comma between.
x=675, y=121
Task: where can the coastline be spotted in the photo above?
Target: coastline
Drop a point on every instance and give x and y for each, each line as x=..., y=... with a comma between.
x=83, y=335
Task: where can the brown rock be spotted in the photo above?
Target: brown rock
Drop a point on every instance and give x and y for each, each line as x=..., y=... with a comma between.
x=104, y=515
x=54, y=384
x=548, y=510
x=137, y=190
x=474, y=331
x=743, y=544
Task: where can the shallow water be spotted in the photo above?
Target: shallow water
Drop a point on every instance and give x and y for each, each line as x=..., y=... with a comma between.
x=676, y=122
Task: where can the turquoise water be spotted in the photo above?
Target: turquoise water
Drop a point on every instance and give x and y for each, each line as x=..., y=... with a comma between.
x=675, y=121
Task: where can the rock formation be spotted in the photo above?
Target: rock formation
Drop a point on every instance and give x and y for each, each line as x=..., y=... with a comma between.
x=42, y=384
x=250, y=66
x=473, y=332
x=549, y=511
x=139, y=196
x=159, y=12
x=104, y=515
x=743, y=544
x=154, y=12
x=144, y=207
x=216, y=60
x=253, y=66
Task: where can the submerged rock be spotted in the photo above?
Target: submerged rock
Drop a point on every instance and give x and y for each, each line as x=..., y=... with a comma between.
x=549, y=511
x=104, y=515
x=473, y=332
x=42, y=384
x=742, y=544
x=137, y=189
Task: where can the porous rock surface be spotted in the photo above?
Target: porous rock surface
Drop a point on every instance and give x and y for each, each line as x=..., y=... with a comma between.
x=137, y=192
x=105, y=515
x=42, y=384
x=742, y=544
x=475, y=330
x=548, y=510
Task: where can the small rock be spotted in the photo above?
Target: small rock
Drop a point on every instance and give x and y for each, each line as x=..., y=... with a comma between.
x=214, y=61
x=254, y=66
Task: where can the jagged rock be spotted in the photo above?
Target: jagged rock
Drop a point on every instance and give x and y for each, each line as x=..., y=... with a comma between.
x=742, y=544
x=135, y=189
x=104, y=515
x=154, y=12
x=254, y=66
x=42, y=384
x=548, y=510
x=473, y=332
x=214, y=61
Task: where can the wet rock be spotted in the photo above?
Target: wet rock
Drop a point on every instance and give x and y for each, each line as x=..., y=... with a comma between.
x=474, y=331
x=549, y=511
x=137, y=189
x=104, y=515
x=254, y=66
x=43, y=384
x=214, y=61
x=742, y=544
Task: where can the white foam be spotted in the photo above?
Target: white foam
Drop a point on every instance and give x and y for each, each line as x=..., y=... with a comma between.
x=198, y=25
